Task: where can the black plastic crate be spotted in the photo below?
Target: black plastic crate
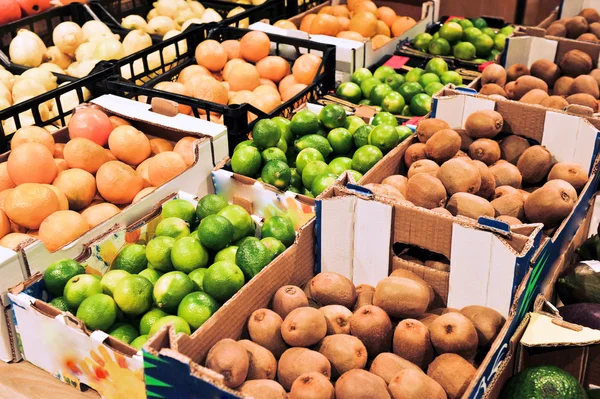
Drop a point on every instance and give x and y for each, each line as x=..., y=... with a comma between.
x=235, y=117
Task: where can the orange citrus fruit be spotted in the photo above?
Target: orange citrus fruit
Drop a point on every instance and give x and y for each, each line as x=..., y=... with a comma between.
x=165, y=166
x=29, y=204
x=305, y=68
x=211, y=55
x=84, y=154
x=254, y=46
x=118, y=183
x=364, y=23
x=31, y=163
x=129, y=145
x=33, y=134
x=78, y=185
x=159, y=145
x=273, y=68
x=96, y=214
x=61, y=228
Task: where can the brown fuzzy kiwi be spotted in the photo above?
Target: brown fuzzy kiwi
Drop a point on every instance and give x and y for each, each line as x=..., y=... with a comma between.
x=492, y=88
x=588, y=37
x=338, y=318
x=288, y=298
x=402, y=297
x=413, y=153
x=487, y=321
x=427, y=319
x=426, y=191
x=535, y=96
x=265, y=389
x=515, y=71
x=264, y=327
x=438, y=265
x=344, y=352
x=557, y=29
x=596, y=75
x=461, y=154
x=575, y=63
x=555, y=102
x=454, y=333
x=509, y=88
x=504, y=190
x=441, y=311
x=485, y=150
x=408, y=258
x=229, y=359
x=595, y=29
x=524, y=194
x=360, y=384
x=459, y=176
x=585, y=84
x=442, y=211
x=304, y=327
x=412, y=342
x=373, y=327
x=453, y=373
x=465, y=139
x=525, y=84
x=262, y=363
x=412, y=384
x=428, y=127
x=423, y=166
x=382, y=189
x=387, y=365
x=485, y=124
x=488, y=183
x=546, y=70
x=509, y=205
x=397, y=181
x=312, y=386
x=576, y=26
x=584, y=99
x=590, y=14
x=493, y=74
x=510, y=220
x=506, y=174
x=572, y=173
x=534, y=164
x=562, y=86
x=412, y=276
x=512, y=147
x=365, y=293
x=443, y=145
x=469, y=205
x=332, y=289
x=551, y=203
x=296, y=361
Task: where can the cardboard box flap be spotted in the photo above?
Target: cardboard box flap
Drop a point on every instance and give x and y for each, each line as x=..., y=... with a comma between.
x=279, y=31
x=454, y=108
x=527, y=49
x=543, y=332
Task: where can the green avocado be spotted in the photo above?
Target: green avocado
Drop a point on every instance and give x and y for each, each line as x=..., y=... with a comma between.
x=544, y=382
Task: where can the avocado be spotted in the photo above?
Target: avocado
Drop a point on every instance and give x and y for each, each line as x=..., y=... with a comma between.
x=580, y=285
x=315, y=141
x=590, y=249
x=544, y=382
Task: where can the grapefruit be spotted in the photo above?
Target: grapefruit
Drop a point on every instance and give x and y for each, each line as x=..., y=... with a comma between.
x=5, y=181
x=118, y=183
x=78, y=185
x=13, y=240
x=364, y=23
x=92, y=124
x=61, y=228
x=232, y=48
x=61, y=165
x=243, y=77
x=33, y=134
x=58, y=150
x=129, y=145
x=83, y=153
x=63, y=202
x=254, y=46
x=305, y=68
x=11, y=11
x=186, y=148
x=142, y=194
x=211, y=55
x=165, y=166
x=31, y=163
x=96, y=214
x=273, y=67
x=142, y=170
x=30, y=203
x=159, y=145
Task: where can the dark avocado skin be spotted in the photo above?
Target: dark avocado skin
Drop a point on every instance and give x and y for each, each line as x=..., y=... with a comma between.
x=543, y=382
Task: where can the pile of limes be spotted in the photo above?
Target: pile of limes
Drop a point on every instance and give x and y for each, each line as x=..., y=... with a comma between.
x=465, y=39
x=406, y=95
x=307, y=154
x=182, y=276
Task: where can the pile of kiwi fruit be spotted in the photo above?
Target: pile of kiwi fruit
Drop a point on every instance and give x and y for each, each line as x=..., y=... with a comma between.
x=477, y=171
x=584, y=27
x=334, y=340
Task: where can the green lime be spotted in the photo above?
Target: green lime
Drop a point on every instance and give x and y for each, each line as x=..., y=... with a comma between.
x=312, y=170
x=245, y=143
x=406, y=111
x=353, y=123
x=265, y=134
x=428, y=78
x=251, y=257
x=465, y=51
x=179, y=208
x=124, y=332
x=436, y=35
x=433, y=88
x=384, y=118
x=360, y=75
x=356, y=175
x=349, y=91
x=321, y=131
x=507, y=30
x=465, y=24
x=282, y=145
x=149, y=318
x=395, y=81
x=150, y=274
x=455, y=19
x=384, y=137
x=499, y=42
x=133, y=295
x=367, y=85
x=420, y=105
x=452, y=77
x=361, y=136
x=422, y=40
x=58, y=273
x=470, y=34
x=307, y=193
x=479, y=23
x=239, y=218
x=365, y=158
x=132, y=258
x=273, y=154
x=246, y=161
x=340, y=140
x=314, y=141
x=332, y=116
x=483, y=45
x=409, y=90
x=60, y=303
x=170, y=289
x=170, y=227
x=285, y=126
x=403, y=133
x=274, y=246
x=196, y=308
x=223, y=279
x=296, y=178
x=339, y=165
x=98, y=312
x=226, y=254
x=110, y=280
x=80, y=287
x=277, y=173
x=414, y=75
x=437, y=66
x=379, y=92
x=393, y=103
x=215, y=232
x=489, y=31
x=197, y=277
x=479, y=60
x=322, y=182
x=451, y=31
x=210, y=204
x=307, y=155
x=139, y=342
x=180, y=325
x=158, y=252
x=304, y=122
x=439, y=46
x=188, y=254
x=364, y=101
x=280, y=227
x=383, y=72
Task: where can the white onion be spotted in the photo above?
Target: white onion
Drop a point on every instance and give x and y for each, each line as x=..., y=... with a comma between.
x=170, y=8
x=4, y=103
x=134, y=22
x=25, y=50
x=85, y=51
x=189, y=22
x=93, y=28
x=52, y=68
x=184, y=15
x=196, y=6
x=81, y=69
x=102, y=36
x=244, y=23
x=109, y=49
x=5, y=94
x=67, y=36
x=26, y=119
x=135, y=41
x=7, y=79
x=210, y=15
x=55, y=56
x=42, y=76
x=33, y=35
x=152, y=14
x=161, y=25
x=169, y=51
x=26, y=87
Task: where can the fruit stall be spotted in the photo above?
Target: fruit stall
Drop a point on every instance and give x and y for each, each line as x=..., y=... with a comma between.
x=341, y=199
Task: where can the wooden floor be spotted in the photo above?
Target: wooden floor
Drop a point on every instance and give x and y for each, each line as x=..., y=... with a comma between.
x=25, y=381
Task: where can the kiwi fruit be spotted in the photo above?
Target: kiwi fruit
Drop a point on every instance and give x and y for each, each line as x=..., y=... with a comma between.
x=546, y=70
x=453, y=373
x=515, y=71
x=504, y=190
x=265, y=389
x=534, y=164
x=414, y=152
x=535, y=96
x=373, y=327
x=402, y=297
x=525, y=84
x=443, y=145
x=595, y=28
x=412, y=342
x=576, y=26
x=264, y=328
x=387, y=365
x=397, y=181
x=506, y=174
x=509, y=89
x=412, y=384
x=485, y=150
x=469, y=205
x=427, y=319
x=575, y=63
x=488, y=183
x=413, y=276
x=428, y=127
x=557, y=29
x=596, y=74
x=509, y=205
x=586, y=100
x=262, y=364
x=426, y=191
x=288, y=298
x=491, y=89
x=551, y=203
x=332, y=289
x=562, y=86
x=465, y=140
x=487, y=321
x=512, y=147
x=360, y=384
x=438, y=264
x=423, y=166
x=461, y=154
x=382, y=189
x=512, y=221
x=555, y=102
x=588, y=37
x=344, y=352
x=296, y=361
x=485, y=124
x=493, y=74
x=570, y=172
x=454, y=333
x=585, y=84
x=407, y=258
x=442, y=211
x=337, y=318
x=304, y=327
x=365, y=293
x=312, y=386
x=524, y=194
x=441, y=311
x=230, y=359
x=590, y=15
x=459, y=176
